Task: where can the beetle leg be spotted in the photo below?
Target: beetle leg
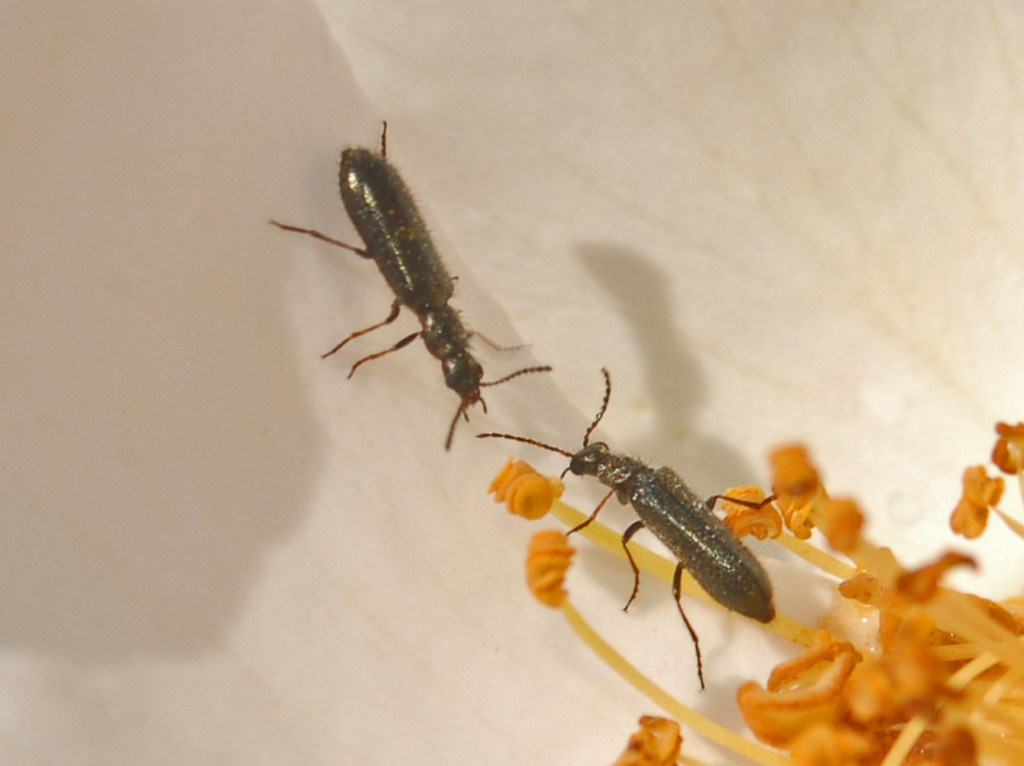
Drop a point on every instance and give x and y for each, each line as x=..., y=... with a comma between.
x=593, y=516
x=396, y=306
x=710, y=502
x=676, y=591
x=497, y=346
x=401, y=344
x=631, y=530
x=324, y=238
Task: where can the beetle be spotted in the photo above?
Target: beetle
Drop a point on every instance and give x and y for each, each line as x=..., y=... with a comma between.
x=395, y=237
x=680, y=518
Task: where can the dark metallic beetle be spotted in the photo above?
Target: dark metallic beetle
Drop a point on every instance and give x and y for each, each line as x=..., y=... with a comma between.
x=387, y=219
x=681, y=519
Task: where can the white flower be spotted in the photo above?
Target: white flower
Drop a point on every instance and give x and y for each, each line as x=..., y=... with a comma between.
x=768, y=223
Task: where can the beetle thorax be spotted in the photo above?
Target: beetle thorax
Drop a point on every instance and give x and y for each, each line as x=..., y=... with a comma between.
x=443, y=332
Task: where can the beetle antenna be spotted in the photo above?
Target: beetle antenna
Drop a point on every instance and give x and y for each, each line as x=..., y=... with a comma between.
x=525, y=440
x=604, y=406
x=451, y=429
x=517, y=373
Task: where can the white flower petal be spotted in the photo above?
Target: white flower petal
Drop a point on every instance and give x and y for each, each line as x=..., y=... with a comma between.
x=770, y=224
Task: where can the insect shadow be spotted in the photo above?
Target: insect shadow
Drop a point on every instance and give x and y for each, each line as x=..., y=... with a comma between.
x=396, y=239
x=682, y=520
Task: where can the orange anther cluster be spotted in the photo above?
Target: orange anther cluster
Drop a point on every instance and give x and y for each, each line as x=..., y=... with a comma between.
x=832, y=706
x=920, y=584
x=901, y=624
x=752, y=516
x=801, y=692
x=525, y=492
x=909, y=679
x=952, y=747
x=657, y=743
x=979, y=494
x=840, y=521
x=546, y=563
x=863, y=588
x=999, y=615
x=1008, y=453
x=797, y=487
x=824, y=745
